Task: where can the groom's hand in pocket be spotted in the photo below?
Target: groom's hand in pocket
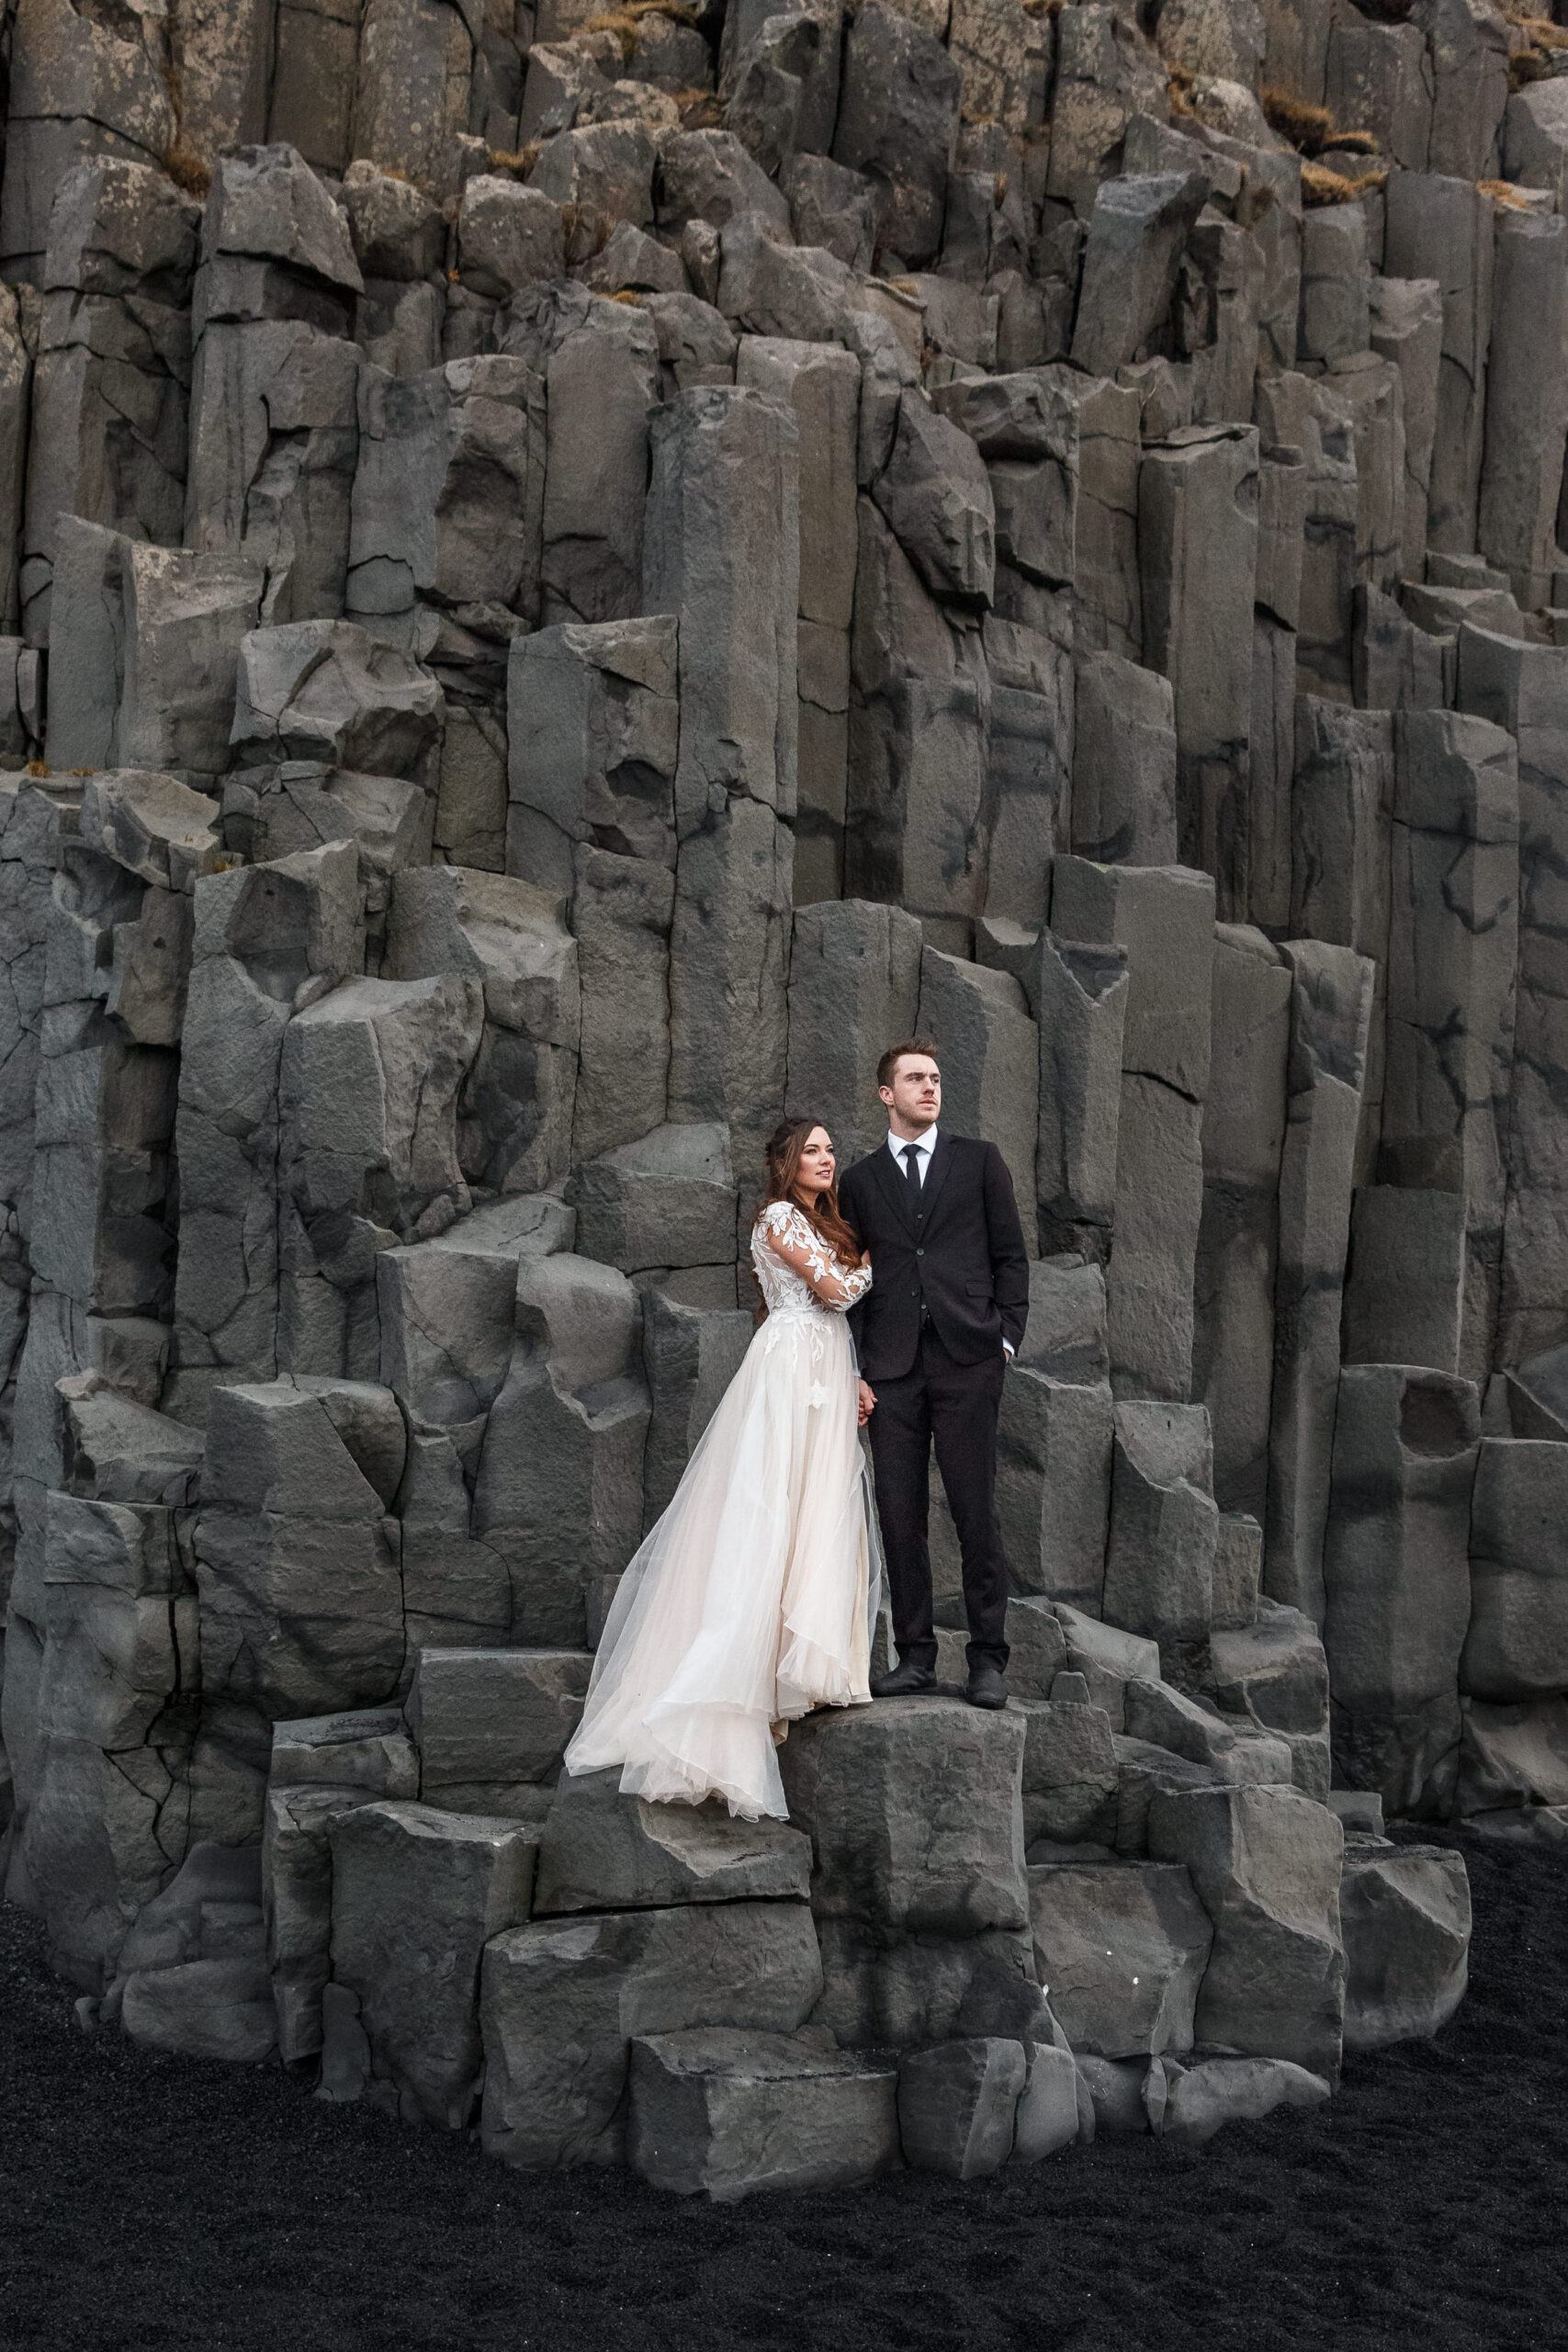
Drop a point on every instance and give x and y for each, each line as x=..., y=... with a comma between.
x=867, y=1404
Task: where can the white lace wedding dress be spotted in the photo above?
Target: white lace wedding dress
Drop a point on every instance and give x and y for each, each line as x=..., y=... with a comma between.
x=753, y=1599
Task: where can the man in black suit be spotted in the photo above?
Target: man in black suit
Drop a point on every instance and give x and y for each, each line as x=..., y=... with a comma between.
x=946, y=1310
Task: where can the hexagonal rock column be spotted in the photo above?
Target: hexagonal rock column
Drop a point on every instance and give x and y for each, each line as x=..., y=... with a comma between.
x=562, y=1999
x=1396, y=1575
x=1266, y=1864
x=417, y=1893
x=914, y=1812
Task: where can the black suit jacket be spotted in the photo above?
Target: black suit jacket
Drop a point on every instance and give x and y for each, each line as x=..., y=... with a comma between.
x=959, y=1252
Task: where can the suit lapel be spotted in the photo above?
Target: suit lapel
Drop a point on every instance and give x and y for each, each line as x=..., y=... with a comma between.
x=885, y=1170
x=936, y=1177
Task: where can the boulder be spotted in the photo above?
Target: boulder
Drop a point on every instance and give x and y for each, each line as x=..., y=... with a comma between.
x=365, y=1748
x=417, y=1893
x=913, y=1810
x=1203, y=2098
x=1046, y=2116
x=491, y=1725
x=327, y=690
x=563, y=1999
x=1069, y=1773
x=937, y=498
x=1107, y=1658
x=1136, y=1994
x=203, y=2009
x=1405, y=1914
x=726, y=2113
x=957, y=2105
x=666, y=1200
x=1266, y=1864
x=603, y=1851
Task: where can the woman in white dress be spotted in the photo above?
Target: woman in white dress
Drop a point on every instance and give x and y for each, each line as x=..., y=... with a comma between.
x=752, y=1600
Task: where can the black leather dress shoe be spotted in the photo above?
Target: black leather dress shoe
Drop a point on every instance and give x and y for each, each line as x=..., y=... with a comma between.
x=985, y=1687
x=903, y=1681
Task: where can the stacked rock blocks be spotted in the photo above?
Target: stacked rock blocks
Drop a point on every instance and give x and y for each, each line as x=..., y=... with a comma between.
x=567, y=578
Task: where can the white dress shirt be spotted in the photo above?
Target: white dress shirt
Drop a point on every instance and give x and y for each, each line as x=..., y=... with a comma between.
x=925, y=1145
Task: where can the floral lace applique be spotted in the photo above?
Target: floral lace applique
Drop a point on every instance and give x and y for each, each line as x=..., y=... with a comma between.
x=794, y=1268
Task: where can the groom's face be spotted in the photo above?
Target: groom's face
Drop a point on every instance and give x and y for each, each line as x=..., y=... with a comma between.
x=913, y=1097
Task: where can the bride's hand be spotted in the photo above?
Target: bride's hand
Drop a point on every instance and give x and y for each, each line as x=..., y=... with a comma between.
x=867, y=1404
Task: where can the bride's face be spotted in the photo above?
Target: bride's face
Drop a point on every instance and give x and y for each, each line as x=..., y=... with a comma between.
x=818, y=1164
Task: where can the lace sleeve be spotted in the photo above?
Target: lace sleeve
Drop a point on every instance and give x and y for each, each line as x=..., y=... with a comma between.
x=792, y=1238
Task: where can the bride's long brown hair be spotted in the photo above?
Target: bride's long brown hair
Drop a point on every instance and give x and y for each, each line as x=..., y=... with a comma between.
x=785, y=1147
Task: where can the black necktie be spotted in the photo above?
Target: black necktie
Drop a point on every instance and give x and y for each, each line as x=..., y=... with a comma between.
x=911, y=1156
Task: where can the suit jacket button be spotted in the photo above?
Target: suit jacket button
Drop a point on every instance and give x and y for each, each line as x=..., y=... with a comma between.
x=919, y=1253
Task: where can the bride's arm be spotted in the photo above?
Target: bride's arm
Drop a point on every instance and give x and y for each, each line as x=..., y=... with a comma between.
x=836, y=1285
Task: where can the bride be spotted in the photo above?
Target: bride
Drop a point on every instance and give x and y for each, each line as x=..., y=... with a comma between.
x=752, y=1599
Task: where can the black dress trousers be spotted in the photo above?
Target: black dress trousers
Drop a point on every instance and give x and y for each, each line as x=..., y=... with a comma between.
x=954, y=1406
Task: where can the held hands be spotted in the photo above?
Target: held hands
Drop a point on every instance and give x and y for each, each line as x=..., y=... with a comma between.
x=867, y=1404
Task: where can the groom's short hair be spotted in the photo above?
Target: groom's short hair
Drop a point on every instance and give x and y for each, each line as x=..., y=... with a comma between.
x=895, y=1054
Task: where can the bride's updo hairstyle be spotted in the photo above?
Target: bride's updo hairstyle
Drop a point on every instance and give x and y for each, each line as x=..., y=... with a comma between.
x=784, y=1151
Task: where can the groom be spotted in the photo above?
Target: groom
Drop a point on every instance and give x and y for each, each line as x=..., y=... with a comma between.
x=946, y=1310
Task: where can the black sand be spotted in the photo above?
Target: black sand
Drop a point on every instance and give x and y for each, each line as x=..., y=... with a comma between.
x=153, y=2204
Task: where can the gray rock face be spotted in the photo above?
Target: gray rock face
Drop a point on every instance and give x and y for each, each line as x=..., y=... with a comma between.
x=448, y=506
x=1330, y=1013
x=991, y=1049
x=1107, y=1658
x=296, y=1889
x=533, y=640
x=666, y=1200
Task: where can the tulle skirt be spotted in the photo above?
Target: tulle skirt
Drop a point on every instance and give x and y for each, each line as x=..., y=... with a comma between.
x=752, y=1599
